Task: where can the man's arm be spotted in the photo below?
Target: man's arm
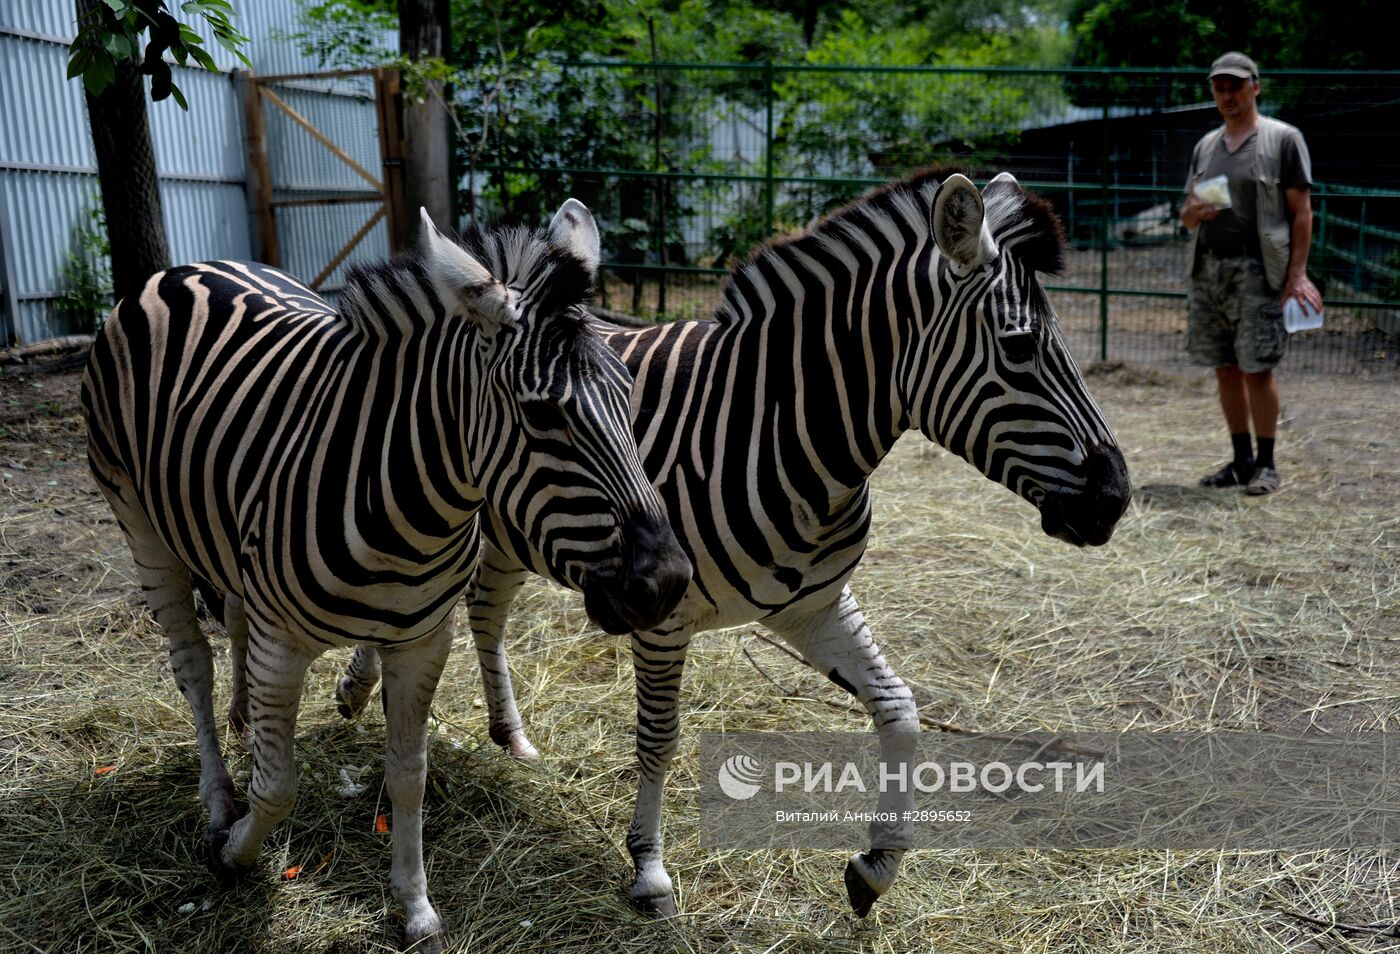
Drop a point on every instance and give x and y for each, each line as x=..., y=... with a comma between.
x=1298, y=285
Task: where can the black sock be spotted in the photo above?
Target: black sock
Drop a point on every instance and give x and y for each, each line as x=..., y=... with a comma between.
x=1266, y=452
x=1244, y=453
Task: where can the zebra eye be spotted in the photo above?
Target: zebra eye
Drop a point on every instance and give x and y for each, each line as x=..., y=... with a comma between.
x=543, y=415
x=1020, y=347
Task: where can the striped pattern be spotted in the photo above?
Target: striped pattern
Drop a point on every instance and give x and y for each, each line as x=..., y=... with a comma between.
x=318, y=473
x=916, y=308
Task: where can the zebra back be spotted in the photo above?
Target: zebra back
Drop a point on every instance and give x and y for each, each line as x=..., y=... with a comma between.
x=324, y=465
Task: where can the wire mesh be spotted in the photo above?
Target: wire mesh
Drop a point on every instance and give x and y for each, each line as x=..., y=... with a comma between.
x=689, y=167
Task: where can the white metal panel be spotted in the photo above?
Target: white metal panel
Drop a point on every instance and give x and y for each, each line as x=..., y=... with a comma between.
x=299, y=162
x=205, y=221
x=46, y=17
x=311, y=237
x=48, y=174
x=42, y=116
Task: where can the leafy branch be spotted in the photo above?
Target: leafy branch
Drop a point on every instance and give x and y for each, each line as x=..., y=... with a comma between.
x=112, y=32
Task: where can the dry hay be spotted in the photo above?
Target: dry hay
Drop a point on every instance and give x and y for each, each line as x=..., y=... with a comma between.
x=1207, y=610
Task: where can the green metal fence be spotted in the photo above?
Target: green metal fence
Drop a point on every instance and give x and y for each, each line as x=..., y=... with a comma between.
x=690, y=166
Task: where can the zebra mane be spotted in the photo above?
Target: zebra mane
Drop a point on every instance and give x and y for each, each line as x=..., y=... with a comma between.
x=556, y=279
x=1022, y=222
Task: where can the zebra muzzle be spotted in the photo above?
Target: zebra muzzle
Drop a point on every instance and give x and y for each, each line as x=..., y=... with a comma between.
x=643, y=589
x=1086, y=517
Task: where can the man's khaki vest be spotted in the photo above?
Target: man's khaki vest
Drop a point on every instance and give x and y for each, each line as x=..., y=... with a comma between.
x=1271, y=205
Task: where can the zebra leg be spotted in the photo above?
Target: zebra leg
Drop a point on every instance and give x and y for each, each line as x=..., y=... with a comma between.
x=659, y=662
x=276, y=671
x=836, y=642
x=170, y=594
x=411, y=676
x=361, y=676
x=494, y=587
x=236, y=625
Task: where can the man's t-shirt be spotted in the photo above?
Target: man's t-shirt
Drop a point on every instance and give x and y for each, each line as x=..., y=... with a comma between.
x=1235, y=232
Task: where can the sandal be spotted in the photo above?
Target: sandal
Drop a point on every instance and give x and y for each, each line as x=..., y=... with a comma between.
x=1264, y=481
x=1227, y=476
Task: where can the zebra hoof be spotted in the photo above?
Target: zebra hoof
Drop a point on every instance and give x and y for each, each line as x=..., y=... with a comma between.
x=430, y=943
x=657, y=908
x=516, y=745
x=522, y=750
x=214, y=841
x=860, y=894
x=346, y=702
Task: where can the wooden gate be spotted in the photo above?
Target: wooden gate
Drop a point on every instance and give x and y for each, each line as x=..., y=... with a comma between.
x=384, y=195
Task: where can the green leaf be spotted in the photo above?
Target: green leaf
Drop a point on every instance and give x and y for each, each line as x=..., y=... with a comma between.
x=229, y=43
x=119, y=7
x=202, y=57
x=95, y=82
x=160, y=80
x=117, y=45
x=179, y=97
x=78, y=60
x=188, y=34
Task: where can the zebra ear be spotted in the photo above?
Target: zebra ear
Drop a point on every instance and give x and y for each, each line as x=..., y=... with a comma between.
x=959, y=223
x=1004, y=179
x=465, y=286
x=573, y=228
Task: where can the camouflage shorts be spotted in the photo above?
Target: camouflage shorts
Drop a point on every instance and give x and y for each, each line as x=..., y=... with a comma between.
x=1233, y=319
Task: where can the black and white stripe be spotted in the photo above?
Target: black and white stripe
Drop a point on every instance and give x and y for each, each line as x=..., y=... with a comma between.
x=916, y=308
x=318, y=473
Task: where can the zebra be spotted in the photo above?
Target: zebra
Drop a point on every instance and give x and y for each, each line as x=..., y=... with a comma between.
x=317, y=473
x=918, y=307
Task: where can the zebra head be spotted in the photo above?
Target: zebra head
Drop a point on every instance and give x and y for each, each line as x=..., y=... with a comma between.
x=992, y=379
x=547, y=428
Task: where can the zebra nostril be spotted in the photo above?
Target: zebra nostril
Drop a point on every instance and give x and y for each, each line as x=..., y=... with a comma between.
x=1109, y=473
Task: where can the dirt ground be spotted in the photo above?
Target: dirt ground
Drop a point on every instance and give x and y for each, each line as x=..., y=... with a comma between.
x=1208, y=610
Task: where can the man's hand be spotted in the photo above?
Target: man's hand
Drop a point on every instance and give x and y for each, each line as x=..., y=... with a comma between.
x=1194, y=212
x=1300, y=286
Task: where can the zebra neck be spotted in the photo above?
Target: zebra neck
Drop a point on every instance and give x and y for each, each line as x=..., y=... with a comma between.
x=824, y=318
x=407, y=433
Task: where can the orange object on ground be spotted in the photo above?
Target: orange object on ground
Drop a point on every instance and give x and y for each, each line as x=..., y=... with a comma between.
x=292, y=872
x=103, y=769
x=381, y=824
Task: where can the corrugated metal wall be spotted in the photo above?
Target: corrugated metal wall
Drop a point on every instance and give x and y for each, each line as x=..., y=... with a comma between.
x=48, y=172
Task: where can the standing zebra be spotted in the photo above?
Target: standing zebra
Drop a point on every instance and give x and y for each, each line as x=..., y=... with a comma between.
x=318, y=473
x=918, y=307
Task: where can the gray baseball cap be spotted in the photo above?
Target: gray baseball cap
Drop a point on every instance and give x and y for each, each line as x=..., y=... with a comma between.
x=1235, y=64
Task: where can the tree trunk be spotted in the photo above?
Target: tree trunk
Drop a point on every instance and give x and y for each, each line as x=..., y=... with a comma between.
x=126, y=171
x=423, y=32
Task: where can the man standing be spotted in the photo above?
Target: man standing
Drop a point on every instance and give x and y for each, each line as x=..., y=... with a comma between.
x=1248, y=255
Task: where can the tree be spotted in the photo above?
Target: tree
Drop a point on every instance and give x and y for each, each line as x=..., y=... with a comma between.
x=107, y=55
x=521, y=105
x=423, y=36
x=1278, y=34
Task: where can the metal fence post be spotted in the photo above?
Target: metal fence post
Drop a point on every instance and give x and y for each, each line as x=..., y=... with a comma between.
x=1359, y=271
x=768, y=93
x=1103, y=233
x=1321, y=235
x=659, y=183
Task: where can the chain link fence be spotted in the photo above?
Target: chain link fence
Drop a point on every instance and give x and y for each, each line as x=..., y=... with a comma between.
x=689, y=167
